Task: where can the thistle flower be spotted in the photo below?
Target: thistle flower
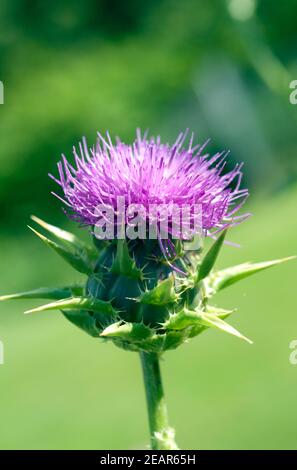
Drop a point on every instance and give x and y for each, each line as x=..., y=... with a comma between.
x=146, y=295
x=149, y=172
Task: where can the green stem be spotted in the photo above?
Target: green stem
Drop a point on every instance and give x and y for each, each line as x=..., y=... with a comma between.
x=162, y=436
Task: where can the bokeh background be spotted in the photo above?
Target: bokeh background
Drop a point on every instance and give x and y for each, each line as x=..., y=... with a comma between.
x=223, y=69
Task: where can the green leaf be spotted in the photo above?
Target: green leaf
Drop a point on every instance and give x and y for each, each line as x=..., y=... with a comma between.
x=211, y=320
x=219, y=312
x=123, y=263
x=76, y=260
x=83, y=320
x=183, y=319
x=78, y=303
x=225, y=278
x=211, y=256
x=54, y=293
x=135, y=332
x=67, y=237
x=191, y=318
x=162, y=294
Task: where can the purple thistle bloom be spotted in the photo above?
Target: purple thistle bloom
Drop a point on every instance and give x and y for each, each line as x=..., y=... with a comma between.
x=149, y=172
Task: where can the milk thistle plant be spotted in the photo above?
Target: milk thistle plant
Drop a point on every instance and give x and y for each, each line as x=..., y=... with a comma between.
x=149, y=284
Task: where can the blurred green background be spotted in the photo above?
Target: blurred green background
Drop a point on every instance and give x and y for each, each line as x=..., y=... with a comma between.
x=221, y=68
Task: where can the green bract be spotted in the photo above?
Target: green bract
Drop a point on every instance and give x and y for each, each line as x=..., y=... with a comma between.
x=133, y=297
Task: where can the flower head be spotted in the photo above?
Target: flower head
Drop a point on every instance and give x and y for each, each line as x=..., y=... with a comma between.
x=150, y=172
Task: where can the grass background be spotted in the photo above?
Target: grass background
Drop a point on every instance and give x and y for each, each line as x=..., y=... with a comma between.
x=61, y=389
